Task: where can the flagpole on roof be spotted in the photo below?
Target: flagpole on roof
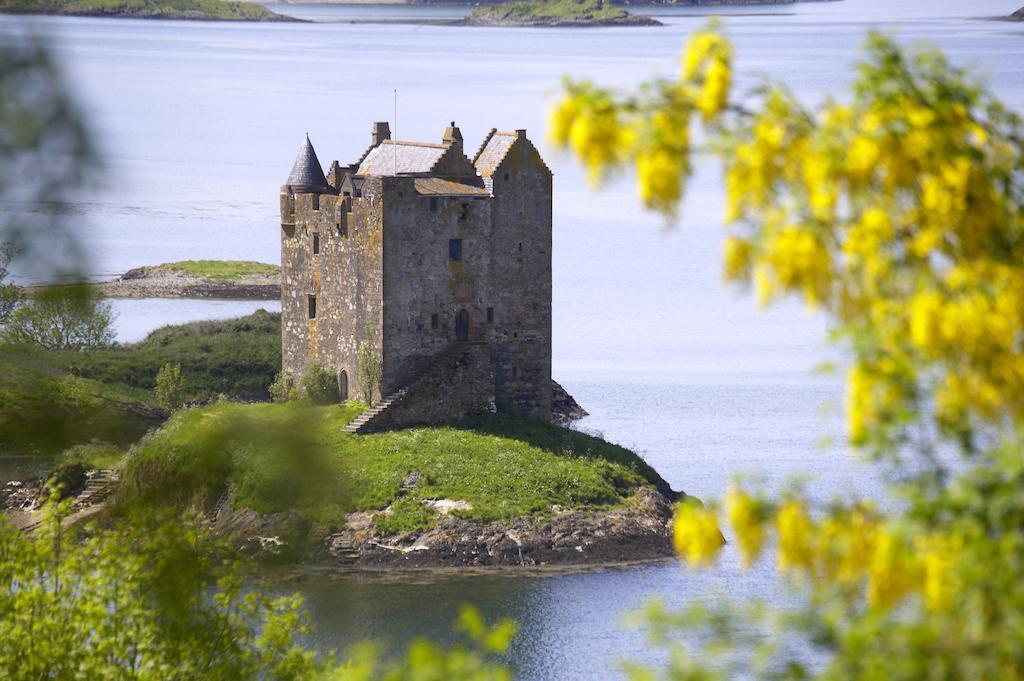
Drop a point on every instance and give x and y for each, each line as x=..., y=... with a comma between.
x=394, y=148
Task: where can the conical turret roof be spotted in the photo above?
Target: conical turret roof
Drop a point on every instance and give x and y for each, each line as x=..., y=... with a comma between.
x=307, y=175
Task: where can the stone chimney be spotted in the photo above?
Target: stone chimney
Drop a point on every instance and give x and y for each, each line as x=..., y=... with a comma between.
x=381, y=131
x=452, y=136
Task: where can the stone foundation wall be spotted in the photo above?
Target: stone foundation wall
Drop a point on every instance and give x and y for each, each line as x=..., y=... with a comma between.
x=459, y=384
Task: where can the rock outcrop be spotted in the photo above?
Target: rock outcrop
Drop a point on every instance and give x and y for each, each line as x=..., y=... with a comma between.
x=636, y=531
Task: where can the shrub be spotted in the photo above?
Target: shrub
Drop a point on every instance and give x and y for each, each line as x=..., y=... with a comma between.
x=283, y=388
x=169, y=387
x=237, y=357
x=320, y=386
x=61, y=320
x=407, y=515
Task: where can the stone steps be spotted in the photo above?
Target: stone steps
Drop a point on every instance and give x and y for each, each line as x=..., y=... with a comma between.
x=99, y=485
x=358, y=424
x=368, y=414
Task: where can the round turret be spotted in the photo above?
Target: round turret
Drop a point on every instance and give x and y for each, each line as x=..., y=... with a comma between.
x=307, y=176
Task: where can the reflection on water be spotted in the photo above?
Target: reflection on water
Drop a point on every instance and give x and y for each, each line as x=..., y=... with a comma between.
x=201, y=122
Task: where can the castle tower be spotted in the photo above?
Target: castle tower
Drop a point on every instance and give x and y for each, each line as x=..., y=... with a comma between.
x=436, y=264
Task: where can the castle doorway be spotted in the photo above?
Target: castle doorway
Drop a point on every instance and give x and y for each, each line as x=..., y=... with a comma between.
x=343, y=385
x=462, y=326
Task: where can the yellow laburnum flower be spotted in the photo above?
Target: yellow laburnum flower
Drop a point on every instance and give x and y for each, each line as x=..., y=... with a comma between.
x=747, y=523
x=862, y=157
x=892, y=572
x=696, y=534
x=860, y=411
x=926, y=311
x=737, y=258
x=799, y=262
x=598, y=139
x=846, y=544
x=560, y=121
x=796, y=538
x=715, y=94
x=821, y=187
x=659, y=174
x=939, y=554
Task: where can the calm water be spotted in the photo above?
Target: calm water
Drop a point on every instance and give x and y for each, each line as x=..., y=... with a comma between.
x=200, y=123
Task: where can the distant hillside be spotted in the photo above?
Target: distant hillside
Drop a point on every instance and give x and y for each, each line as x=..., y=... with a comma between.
x=1018, y=15
x=210, y=10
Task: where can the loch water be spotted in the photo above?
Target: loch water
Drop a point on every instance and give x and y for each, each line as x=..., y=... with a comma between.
x=199, y=124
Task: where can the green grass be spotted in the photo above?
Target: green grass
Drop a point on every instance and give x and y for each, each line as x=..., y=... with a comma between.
x=170, y=9
x=561, y=10
x=283, y=457
x=43, y=409
x=236, y=357
x=227, y=270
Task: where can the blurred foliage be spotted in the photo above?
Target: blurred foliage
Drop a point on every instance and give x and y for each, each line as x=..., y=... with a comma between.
x=60, y=319
x=43, y=410
x=900, y=215
x=152, y=596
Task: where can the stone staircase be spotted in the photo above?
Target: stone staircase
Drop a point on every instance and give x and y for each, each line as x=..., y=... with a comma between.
x=99, y=485
x=367, y=415
x=360, y=423
x=223, y=501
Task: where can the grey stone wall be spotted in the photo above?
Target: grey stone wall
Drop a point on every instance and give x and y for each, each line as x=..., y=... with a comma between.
x=346, y=277
x=420, y=279
x=521, y=280
x=458, y=384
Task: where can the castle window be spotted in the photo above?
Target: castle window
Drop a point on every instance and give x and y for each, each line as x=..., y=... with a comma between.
x=433, y=204
x=490, y=315
x=316, y=243
x=455, y=249
x=433, y=321
x=520, y=246
x=515, y=372
x=465, y=212
x=316, y=202
x=312, y=307
x=343, y=229
x=506, y=177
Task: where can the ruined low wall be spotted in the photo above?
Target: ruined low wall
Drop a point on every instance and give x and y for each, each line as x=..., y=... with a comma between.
x=459, y=384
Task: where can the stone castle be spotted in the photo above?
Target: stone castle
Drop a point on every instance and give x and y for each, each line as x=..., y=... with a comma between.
x=422, y=274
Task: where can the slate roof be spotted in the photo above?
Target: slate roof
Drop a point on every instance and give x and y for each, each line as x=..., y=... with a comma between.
x=435, y=186
x=390, y=157
x=307, y=175
x=493, y=152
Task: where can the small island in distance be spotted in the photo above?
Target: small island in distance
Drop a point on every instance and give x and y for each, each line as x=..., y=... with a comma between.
x=202, y=10
x=556, y=13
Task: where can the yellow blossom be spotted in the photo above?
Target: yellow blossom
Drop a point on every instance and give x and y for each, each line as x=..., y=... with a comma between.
x=796, y=537
x=696, y=535
x=747, y=523
x=892, y=572
x=737, y=258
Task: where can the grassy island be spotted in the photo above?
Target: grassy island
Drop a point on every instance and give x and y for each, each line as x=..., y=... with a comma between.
x=496, y=467
x=211, y=10
x=556, y=13
x=495, y=489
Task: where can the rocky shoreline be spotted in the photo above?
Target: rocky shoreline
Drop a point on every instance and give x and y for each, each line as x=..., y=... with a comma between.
x=548, y=22
x=640, y=530
x=161, y=281
x=637, y=531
